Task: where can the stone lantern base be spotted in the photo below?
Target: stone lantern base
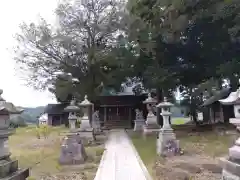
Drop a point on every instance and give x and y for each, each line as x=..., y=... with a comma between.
x=231, y=170
x=72, y=124
x=151, y=126
x=167, y=144
x=9, y=168
x=85, y=124
x=139, y=125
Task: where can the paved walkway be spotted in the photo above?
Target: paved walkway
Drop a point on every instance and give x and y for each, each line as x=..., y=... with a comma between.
x=120, y=161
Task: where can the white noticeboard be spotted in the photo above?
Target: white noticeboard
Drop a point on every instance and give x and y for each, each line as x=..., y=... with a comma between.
x=200, y=116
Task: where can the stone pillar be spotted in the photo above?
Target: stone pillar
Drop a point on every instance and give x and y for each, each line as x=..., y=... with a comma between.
x=166, y=142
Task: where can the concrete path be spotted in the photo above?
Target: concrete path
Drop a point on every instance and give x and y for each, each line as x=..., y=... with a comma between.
x=120, y=160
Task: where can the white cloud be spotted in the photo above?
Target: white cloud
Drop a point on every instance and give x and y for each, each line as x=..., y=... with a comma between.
x=12, y=13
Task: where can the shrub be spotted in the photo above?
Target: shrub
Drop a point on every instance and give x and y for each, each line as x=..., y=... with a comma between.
x=42, y=130
x=17, y=122
x=45, y=130
x=38, y=133
x=78, y=123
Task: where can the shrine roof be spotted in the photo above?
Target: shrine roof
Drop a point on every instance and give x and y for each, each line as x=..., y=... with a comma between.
x=55, y=108
x=219, y=95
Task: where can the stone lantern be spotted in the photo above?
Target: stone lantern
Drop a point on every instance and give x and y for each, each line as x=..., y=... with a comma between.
x=166, y=142
x=8, y=168
x=85, y=122
x=231, y=164
x=72, y=109
x=151, y=122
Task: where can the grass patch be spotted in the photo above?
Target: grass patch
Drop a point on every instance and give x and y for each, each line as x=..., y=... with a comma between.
x=146, y=149
x=179, y=121
x=41, y=155
x=207, y=144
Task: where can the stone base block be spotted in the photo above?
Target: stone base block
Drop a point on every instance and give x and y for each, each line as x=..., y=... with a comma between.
x=9, y=170
x=152, y=121
x=234, y=152
x=138, y=125
x=85, y=124
x=18, y=175
x=7, y=167
x=226, y=175
x=230, y=168
x=167, y=143
x=150, y=131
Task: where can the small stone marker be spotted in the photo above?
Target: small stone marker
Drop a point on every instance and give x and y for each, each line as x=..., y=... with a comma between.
x=8, y=168
x=139, y=121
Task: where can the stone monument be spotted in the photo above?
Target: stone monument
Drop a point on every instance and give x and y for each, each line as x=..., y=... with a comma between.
x=72, y=109
x=139, y=121
x=72, y=151
x=151, y=125
x=8, y=168
x=231, y=164
x=167, y=144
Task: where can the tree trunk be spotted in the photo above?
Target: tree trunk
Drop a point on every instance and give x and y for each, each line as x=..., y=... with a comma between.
x=193, y=107
x=160, y=99
x=234, y=83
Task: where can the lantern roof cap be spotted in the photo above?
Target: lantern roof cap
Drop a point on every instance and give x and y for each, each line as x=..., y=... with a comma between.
x=165, y=103
x=150, y=100
x=85, y=102
x=72, y=107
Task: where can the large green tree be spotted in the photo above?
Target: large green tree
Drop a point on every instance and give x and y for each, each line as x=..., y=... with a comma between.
x=80, y=47
x=191, y=41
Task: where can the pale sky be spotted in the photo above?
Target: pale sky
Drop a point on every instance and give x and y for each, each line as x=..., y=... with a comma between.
x=12, y=13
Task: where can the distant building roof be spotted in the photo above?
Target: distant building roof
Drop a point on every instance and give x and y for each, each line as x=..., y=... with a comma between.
x=219, y=95
x=55, y=108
